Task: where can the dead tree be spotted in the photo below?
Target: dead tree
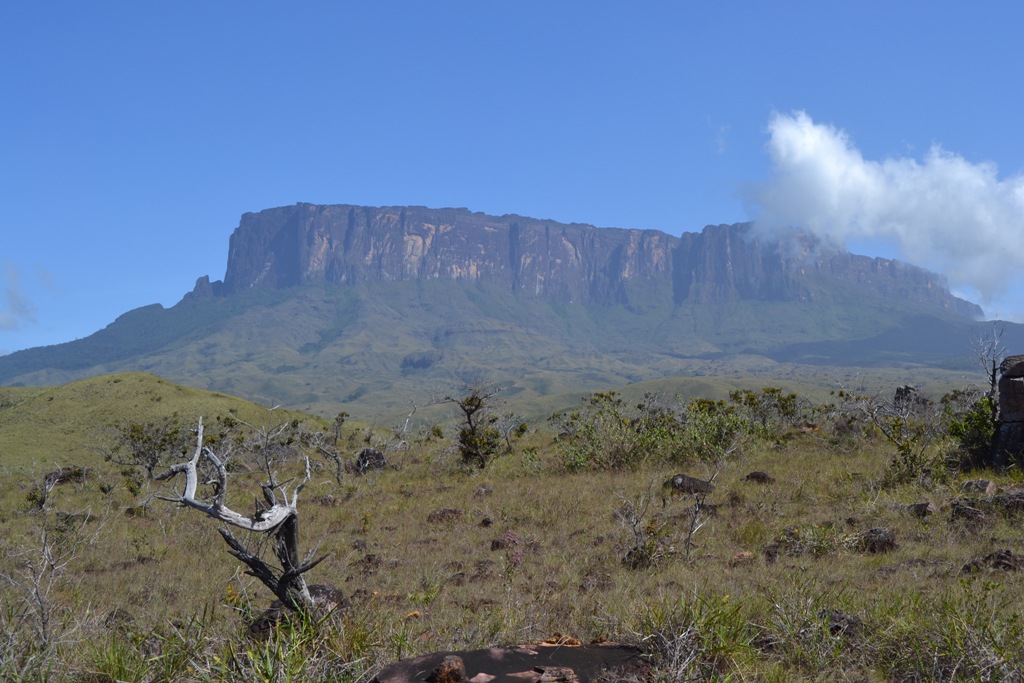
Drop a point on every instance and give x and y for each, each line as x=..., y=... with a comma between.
x=280, y=520
x=990, y=353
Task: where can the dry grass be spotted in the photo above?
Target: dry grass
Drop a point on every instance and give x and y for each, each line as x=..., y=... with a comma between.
x=532, y=551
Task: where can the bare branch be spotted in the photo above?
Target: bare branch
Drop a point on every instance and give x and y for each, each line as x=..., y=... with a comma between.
x=263, y=521
x=279, y=519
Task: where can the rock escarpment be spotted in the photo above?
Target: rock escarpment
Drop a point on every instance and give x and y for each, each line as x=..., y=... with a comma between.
x=1008, y=445
x=570, y=263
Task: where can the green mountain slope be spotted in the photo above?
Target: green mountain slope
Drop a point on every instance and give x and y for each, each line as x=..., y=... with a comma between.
x=378, y=348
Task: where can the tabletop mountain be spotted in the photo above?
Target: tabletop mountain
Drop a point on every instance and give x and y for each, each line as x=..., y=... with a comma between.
x=579, y=264
x=324, y=307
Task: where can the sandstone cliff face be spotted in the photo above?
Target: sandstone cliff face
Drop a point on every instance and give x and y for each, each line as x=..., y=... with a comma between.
x=341, y=244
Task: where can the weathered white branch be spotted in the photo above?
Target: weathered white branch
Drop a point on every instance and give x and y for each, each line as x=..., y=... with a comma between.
x=263, y=521
x=280, y=520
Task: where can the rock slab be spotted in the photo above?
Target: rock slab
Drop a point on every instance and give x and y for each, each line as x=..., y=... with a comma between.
x=522, y=664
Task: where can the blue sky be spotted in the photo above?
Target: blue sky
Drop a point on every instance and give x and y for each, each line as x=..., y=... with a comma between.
x=133, y=135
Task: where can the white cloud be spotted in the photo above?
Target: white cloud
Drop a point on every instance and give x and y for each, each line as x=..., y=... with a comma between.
x=943, y=212
x=16, y=308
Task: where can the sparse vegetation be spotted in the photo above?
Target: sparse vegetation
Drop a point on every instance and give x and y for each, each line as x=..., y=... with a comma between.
x=483, y=430
x=831, y=568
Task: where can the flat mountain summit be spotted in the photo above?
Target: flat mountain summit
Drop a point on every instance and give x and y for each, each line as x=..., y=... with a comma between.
x=373, y=309
x=565, y=263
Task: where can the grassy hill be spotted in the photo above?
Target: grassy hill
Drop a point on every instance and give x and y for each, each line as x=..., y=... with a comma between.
x=47, y=427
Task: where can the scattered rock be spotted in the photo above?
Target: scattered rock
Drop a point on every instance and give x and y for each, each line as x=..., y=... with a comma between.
x=369, y=459
x=442, y=515
x=742, y=558
x=644, y=556
x=759, y=477
x=976, y=510
x=922, y=509
x=327, y=500
x=454, y=566
x=839, y=623
x=509, y=540
x=877, y=540
x=484, y=570
x=787, y=543
x=1011, y=503
x=979, y=486
x=65, y=475
x=133, y=511
x=963, y=511
x=772, y=552
x=370, y=564
x=1001, y=559
x=683, y=484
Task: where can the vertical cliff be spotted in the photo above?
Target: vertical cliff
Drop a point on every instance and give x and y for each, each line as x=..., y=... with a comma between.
x=570, y=263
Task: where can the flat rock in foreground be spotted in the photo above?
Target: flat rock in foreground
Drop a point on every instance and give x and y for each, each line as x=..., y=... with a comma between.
x=522, y=664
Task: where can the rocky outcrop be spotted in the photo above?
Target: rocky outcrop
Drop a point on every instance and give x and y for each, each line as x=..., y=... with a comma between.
x=576, y=263
x=1008, y=444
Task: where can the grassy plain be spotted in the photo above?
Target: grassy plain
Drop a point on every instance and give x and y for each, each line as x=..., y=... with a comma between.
x=776, y=585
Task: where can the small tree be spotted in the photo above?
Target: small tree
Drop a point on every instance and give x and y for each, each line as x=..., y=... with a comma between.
x=479, y=438
x=34, y=569
x=272, y=444
x=147, y=445
x=279, y=519
x=990, y=353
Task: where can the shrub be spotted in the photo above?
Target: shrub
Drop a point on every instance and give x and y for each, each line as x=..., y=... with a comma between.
x=770, y=413
x=712, y=430
x=607, y=435
x=910, y=423
x=968, y=418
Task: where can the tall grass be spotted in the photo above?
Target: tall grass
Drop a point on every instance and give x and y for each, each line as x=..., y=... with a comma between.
x=775, y=587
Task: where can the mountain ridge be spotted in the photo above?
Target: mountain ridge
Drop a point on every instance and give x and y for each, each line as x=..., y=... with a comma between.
x=351, y=307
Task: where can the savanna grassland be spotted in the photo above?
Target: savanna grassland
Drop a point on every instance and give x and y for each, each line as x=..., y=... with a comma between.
x=566, y=528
